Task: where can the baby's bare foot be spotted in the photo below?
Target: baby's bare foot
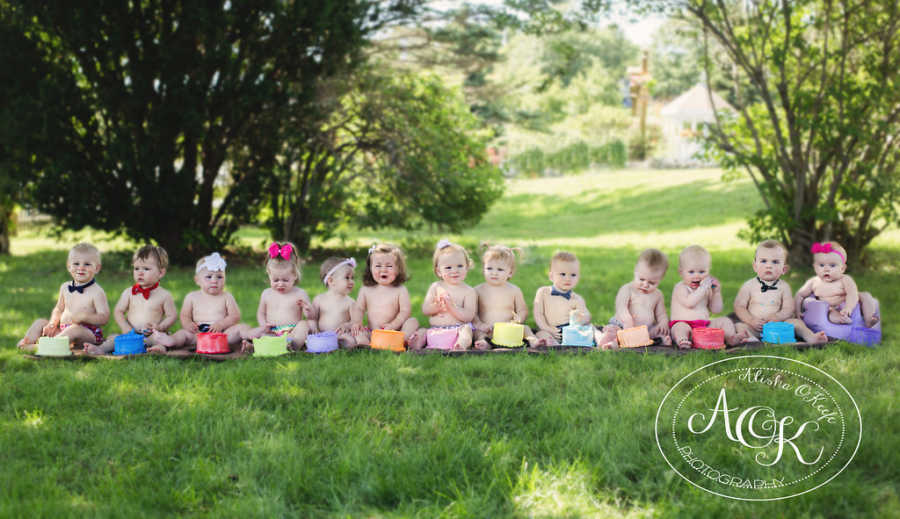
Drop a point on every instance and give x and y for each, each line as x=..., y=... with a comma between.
x=872, y=320
x=684, y=344
x=482, y=344
x=818, y=338
x=247, y=346
x=666, y=340
x=162, y=339
x=158, y=349
x=535, y=341
x=93, y=349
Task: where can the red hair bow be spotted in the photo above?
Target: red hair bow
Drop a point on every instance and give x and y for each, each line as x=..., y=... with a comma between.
x=284, y=251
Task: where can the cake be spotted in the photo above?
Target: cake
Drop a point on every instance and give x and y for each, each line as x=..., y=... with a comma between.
x=778, y=333
x=212, y=343
x=442, y=338
x=578, y=335
x=130, y=343
x=634, y=337
x=321, y=342
x=508, y=335
x=708, y=338
x=270, y=346
x=387, y=340
x=54, y=346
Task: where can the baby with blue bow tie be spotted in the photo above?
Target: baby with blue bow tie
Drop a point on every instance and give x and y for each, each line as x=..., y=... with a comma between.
x=554, y=304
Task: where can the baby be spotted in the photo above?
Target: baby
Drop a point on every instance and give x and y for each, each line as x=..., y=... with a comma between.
x=696, y=296
x=832, y=286
x=336, y=310
x=450, y=303
x=383, y=297
x=210, y=309
x=81, y=308
x=766, y=298
x=144, y=307
x=283, y=304
x=554, y=304
x=498, y=299
x=640, y=302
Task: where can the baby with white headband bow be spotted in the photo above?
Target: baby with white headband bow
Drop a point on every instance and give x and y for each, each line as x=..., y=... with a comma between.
x=337, y=311
x=282, y=306
x=210, y=309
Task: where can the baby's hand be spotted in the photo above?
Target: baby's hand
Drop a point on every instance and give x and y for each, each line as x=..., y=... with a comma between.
x=215, y=327
x=193, y=328
x=50, y=329
x=714, y=284
x=758, y=324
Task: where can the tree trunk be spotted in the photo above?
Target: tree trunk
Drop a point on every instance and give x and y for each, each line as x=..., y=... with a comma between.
x=7, y=215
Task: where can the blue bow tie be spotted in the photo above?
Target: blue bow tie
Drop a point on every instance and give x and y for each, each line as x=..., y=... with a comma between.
x=80, y=288
x=764, y=287
x=555, y=292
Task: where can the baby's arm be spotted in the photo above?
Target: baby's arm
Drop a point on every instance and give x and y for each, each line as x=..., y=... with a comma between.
x=742, y=309
x=787, y=304
x=623, y=296
x=583, y=316
x=715, y=301
x=540, y=319
x=356, y=317
x=405, y=310
x=121, y=309
x=100, y=315
x=519, y=306
x=55, y=315
x=805, y=291
x=690, y=299
x=307, y=308
x=232, y=315
x=852, y=297
x=261, y=312
x=470, y=305
x=432, y=305
x=187, y=314
x=660, y=317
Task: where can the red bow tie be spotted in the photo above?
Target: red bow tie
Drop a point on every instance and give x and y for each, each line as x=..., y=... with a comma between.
x=138, y=289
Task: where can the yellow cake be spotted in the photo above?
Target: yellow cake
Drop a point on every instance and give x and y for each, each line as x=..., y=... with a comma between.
x=510, y=335
x=54, y=346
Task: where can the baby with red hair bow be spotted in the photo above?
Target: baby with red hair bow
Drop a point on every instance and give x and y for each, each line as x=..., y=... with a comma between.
x=832, y=286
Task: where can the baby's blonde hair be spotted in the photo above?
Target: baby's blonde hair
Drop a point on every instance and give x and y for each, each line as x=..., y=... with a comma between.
x=155, y=252
x=501, y=253
x=693, y=251
x=447, y=247
x=654, y=259
x=85, y=248
x=562, y=255
x=329, y=263
x=386, y=248
x=278, y=262
x=771, y=244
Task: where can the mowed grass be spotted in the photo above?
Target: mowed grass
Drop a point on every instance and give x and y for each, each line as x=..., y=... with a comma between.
x=370, y=434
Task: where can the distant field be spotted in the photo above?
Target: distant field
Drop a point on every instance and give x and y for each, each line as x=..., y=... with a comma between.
x=362, y=434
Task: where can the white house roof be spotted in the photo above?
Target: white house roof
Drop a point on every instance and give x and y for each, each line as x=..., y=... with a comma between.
x=693, y=105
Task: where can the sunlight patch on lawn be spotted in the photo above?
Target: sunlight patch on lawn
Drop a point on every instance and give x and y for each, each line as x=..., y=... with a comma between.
x=33, y=419
x=566, y=493
x=723, y=236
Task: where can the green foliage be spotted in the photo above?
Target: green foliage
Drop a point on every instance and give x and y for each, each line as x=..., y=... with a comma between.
x=398, y=149
x=575, y=157
x=819, y=120
x=161, y=94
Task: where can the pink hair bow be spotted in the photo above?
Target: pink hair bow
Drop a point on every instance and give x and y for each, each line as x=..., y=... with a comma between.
x=284, y=251
x=825, y=248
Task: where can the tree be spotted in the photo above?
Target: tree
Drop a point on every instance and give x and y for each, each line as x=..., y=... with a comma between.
x=164, y=92
x=818, y=122
x=398, y=148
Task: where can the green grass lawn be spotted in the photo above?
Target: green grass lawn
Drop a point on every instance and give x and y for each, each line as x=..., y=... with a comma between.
x=369, y=434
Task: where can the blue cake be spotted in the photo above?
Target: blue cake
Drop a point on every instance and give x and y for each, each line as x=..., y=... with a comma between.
x=130, y=343
x=778, y=333
x=578, y=335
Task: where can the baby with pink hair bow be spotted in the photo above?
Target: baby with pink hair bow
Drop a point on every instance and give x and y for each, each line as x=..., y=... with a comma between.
x=832, y=286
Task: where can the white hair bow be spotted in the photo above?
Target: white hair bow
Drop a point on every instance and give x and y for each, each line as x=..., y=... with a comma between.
x=348, y=261
x=443, y=243
x=213, y=263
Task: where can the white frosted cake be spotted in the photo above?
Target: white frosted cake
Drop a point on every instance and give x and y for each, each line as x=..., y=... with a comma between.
x=54, y=347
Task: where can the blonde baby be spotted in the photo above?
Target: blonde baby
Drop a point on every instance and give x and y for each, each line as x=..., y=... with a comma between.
x=498, y=299
x=555, y=304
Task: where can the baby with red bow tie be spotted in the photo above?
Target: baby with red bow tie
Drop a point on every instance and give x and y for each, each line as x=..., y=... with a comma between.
x=832, y=286
x=144, y=307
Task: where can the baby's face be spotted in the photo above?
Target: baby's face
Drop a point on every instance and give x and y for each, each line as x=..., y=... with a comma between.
x=497, y=272
x=146, y=272
x=829, y=266
x=281, y=280
x=83, y=266
x=646, y=279
x=210, y=282
x=770, y=264
x=564, y=274
x=693, y=270
x=452, y=267
x=341, y=280
x=384, y=268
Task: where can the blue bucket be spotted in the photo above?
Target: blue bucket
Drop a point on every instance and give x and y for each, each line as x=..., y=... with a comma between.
x=778, y=333
x=130, y=343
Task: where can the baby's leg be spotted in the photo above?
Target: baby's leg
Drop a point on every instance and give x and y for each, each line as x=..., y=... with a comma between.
x=160, y=338
x=547, y=337
x=79, y=335
x=835, y=316
x=533, y=339
x=417, y=339
x=346, y=341
x=235, y=332
x=661, y=330
x=363, y=338
x=732, y=336
x=806, y=334
x=481, y=342
x=298, y=336
x=746, y=330
x=868, y=305
x=183, y=339
x=681, y=334
x=606, y=337
x=31, y=337
x=254, y=333
x=464, y=337
x=409, y=327
x=105, y=347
